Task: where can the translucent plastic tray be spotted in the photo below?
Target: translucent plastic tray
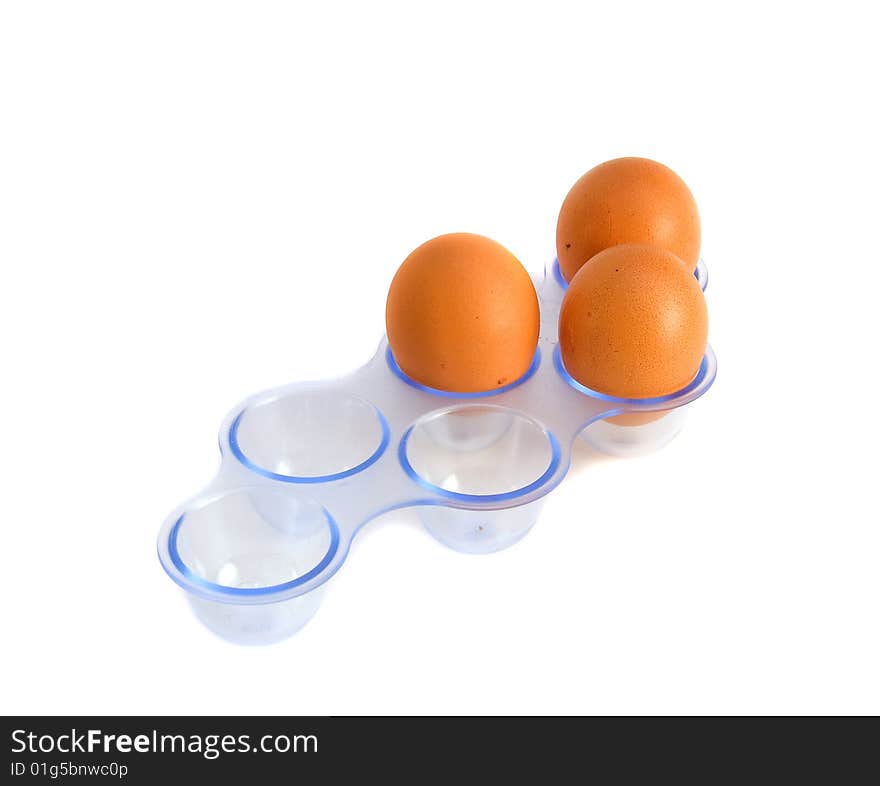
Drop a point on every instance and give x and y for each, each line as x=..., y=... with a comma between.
x=305, y=466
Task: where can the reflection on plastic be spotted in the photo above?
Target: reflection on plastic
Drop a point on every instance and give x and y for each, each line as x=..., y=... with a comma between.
x=632, y=441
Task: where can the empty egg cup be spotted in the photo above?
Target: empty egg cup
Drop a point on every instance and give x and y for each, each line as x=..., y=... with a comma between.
x=305, y=466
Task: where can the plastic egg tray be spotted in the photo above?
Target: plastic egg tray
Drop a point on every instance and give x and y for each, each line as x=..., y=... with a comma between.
x=305, y=466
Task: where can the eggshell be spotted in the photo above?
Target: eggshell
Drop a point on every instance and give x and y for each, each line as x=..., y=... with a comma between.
x=633, y=323
x=462, y=315
x=627, y=200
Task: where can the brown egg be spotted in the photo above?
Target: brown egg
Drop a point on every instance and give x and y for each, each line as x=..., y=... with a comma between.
x=462, y=315
x=633, y=323
x=627, y=200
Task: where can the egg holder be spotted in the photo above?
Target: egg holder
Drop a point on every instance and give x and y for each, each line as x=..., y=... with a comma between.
x=305, y=466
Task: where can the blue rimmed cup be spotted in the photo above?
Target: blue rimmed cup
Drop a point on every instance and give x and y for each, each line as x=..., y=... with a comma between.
x=476, y=461
x=242, y=556
x=309, y=435
x=627, y=434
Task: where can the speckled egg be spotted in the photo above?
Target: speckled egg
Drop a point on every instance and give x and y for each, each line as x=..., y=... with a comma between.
x=633, y=323
x=462, y=315
x=627, y=200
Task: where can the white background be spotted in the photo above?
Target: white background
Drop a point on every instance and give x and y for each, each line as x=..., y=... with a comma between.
x=202, y=200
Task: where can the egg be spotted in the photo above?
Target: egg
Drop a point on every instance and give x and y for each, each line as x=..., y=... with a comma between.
x=627, y=200
x=462, y=315
x=633, y=323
